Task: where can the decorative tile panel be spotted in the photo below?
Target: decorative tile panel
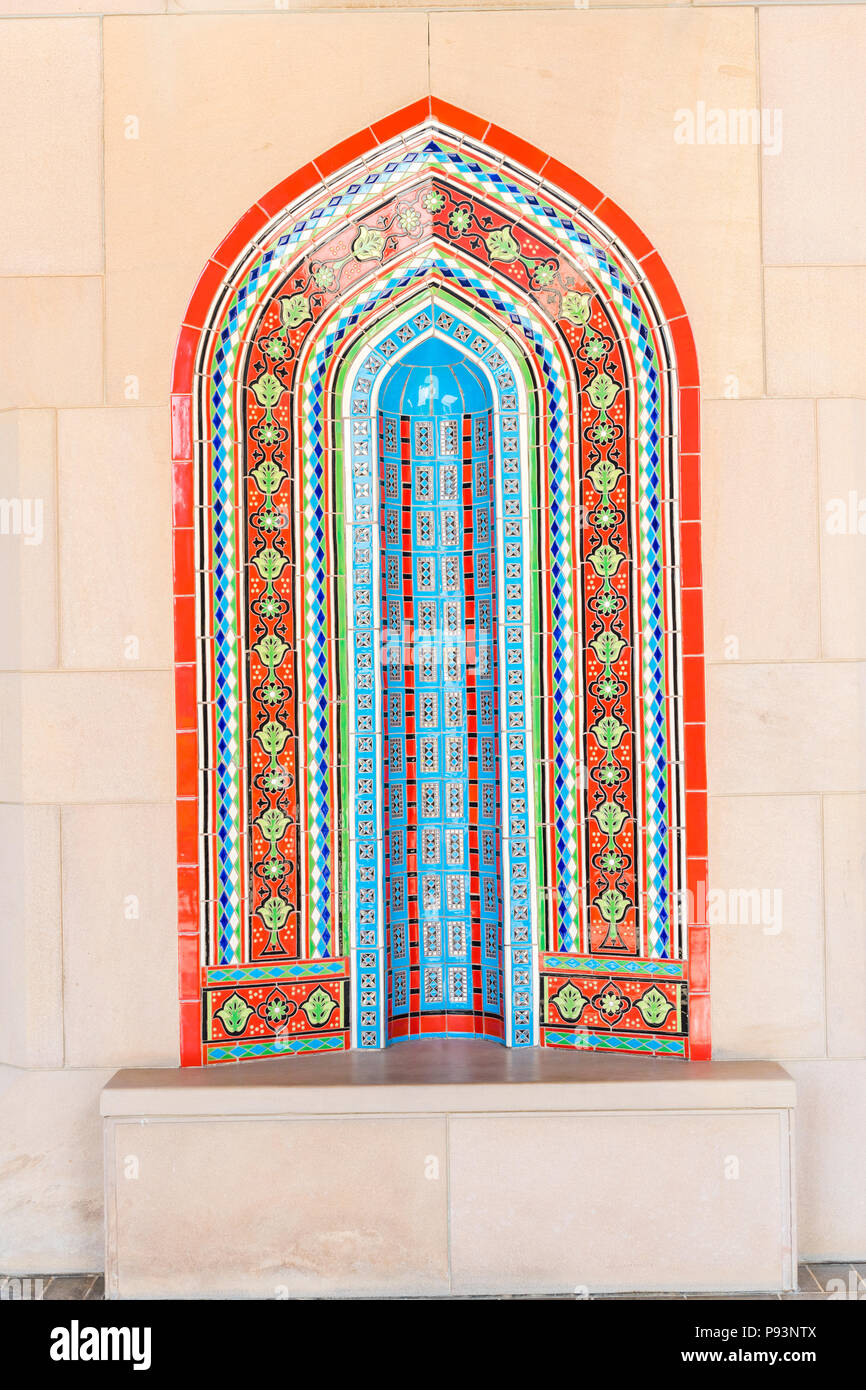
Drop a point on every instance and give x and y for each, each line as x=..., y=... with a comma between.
x=441, y=673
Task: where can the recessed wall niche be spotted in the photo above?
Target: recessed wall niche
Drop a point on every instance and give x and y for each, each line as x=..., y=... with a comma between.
x=438, y=614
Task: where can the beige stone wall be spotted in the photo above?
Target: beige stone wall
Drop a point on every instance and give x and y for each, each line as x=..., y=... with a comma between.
x=133, y=135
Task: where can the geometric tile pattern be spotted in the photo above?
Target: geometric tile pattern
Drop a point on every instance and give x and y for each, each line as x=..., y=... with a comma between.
x=443, y=316
x=447, y=233
x=440, y=699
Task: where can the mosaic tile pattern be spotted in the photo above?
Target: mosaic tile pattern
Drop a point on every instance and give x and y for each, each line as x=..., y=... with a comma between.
x=286, y=838
x=450, y=321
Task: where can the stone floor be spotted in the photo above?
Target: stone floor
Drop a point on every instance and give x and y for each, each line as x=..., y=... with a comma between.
x=816, y=1281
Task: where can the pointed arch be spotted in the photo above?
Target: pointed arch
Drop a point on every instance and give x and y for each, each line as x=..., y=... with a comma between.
x=578, y=323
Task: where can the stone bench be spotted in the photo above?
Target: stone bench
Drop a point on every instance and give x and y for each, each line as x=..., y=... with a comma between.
x=438, y=1168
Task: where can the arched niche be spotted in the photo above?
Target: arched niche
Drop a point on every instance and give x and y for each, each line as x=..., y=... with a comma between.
x=433, y=235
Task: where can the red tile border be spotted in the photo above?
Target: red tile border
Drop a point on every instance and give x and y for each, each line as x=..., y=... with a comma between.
x=690, y=555
x=183, y=554
x=519, y=150
x=185, y=708
x=346, y=152
x=659, y=277
x=203, y=296
x=690, y=487
x=572, y=183
x=404, y=119
x=184, y=360
x=696, y=823
x=695, y=741
x=699, y=959
x=289, y=189
x=700, y=1049
x=181, y=490
x=181, y=429
x=624, y=229
x=690, y=420
x=187, y=899
x=686, y=352
x=693, y=622
x=462, y=121
x=189, y=972
x=696, y=873
x=187, y=831
x=694, y=689
x=240, y=236
x=184, y=629
x=190, y=1033
x=187, y=762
